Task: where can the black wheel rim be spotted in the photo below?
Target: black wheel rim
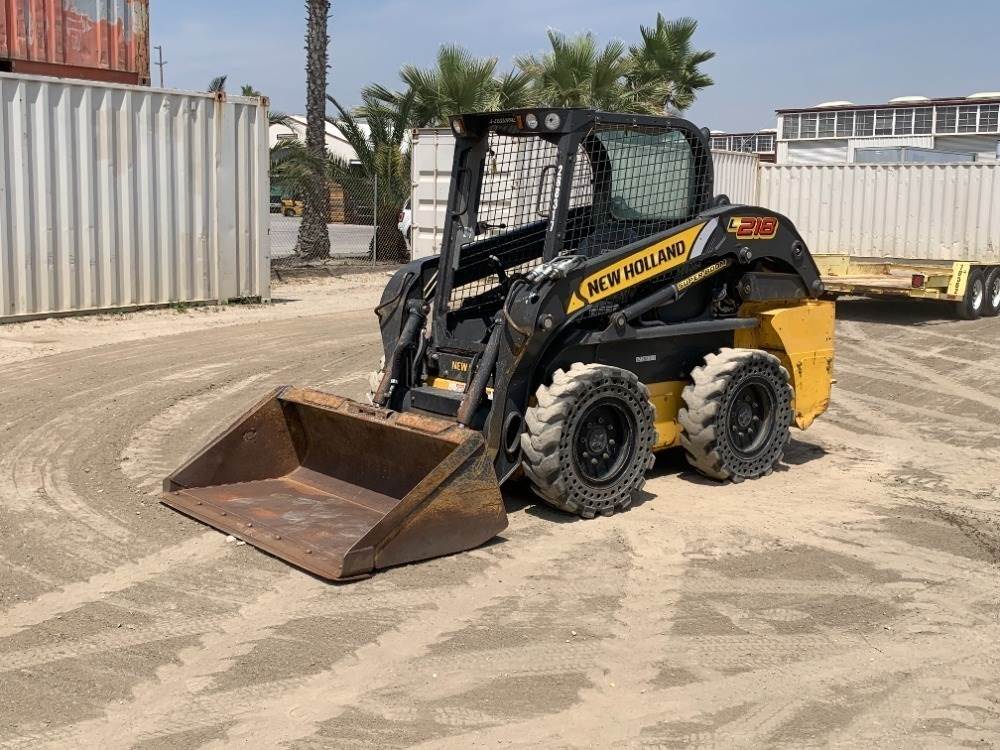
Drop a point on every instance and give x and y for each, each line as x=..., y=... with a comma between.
x=750, y=420
x=604, y=442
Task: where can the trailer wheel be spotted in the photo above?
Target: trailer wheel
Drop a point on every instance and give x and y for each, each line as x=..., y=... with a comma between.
x=974, y=303
x=736, y=415
x=589, y=440
x=992, y=304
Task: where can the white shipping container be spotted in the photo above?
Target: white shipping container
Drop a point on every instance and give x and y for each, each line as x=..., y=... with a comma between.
x=912, y=211
x=118, y=196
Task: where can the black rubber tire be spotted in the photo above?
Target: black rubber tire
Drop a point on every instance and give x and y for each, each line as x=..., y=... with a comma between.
x=991, y=307
x=375, y=380
x=708, y=406
x=552, y=426
x=967, y=308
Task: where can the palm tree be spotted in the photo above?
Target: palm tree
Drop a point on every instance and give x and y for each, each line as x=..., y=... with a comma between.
x=668, y=56
x=458, y=82
x=217, y=85
x=314, y=239
x=577, y=72
x=377, y=131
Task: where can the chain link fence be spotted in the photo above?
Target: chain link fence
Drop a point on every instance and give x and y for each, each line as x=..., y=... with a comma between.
x=362, y=221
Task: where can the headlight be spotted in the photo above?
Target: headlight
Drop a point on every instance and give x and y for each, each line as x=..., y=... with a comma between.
x=458, y=126
x=531, y=121
x=552, y=121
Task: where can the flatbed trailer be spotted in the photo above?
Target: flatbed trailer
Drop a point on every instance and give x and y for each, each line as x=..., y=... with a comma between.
x=972, y=287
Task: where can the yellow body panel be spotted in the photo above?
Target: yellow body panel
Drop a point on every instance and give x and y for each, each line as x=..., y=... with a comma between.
x=457, y=386
x=666, y=400
x=800, y=334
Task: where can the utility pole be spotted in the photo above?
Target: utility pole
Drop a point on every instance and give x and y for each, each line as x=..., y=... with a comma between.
x=160, y=63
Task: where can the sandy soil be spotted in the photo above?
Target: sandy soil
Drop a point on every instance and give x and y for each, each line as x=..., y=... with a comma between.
x=850, y=600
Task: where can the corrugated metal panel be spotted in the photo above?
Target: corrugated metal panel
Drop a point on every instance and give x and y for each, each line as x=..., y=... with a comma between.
x=433, y=149
x=106, y=40
x=736, y=176
x=917, y=211
x=117, y=196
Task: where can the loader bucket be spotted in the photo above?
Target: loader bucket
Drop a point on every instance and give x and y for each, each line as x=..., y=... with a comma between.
x=341, y=489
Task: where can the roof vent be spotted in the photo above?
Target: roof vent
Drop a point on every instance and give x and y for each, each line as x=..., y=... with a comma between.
x=985, y=95
x=838, y=103
x=908, y=99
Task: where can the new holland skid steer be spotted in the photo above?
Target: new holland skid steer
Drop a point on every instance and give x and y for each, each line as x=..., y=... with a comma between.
x=594, y=302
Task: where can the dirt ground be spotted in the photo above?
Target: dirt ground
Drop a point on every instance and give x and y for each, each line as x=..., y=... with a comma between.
x=850, y=600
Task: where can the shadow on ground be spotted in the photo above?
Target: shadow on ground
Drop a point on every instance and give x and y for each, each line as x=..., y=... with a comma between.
x=907, y=312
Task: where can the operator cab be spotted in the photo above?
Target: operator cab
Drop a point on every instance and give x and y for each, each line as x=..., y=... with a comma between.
x=531, y=185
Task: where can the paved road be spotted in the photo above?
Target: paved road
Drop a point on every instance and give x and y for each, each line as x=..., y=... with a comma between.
x=849, y=601
x=346, y=240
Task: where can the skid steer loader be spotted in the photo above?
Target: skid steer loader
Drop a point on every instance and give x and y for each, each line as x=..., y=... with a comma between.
x=594, y=302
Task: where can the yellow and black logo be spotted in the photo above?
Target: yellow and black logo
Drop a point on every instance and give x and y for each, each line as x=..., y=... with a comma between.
x=636, y=268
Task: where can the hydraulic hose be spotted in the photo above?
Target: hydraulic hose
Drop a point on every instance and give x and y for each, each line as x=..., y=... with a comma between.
x=481, y=378
x=411, y=329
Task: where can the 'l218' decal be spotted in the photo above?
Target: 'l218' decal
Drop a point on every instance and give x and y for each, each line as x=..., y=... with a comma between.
x=753, y=227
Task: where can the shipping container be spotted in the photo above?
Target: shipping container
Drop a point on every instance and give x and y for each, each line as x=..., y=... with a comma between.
x=116, y=197
x=927, y=231
x=939, y=212
x=101, y=40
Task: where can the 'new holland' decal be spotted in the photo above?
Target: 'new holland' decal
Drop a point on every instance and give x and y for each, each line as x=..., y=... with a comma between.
x=636, y=268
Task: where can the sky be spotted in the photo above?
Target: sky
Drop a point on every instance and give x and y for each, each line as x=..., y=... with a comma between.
x=769, y=53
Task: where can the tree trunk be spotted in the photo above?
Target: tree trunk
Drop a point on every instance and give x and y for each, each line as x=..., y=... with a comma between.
x=314, y=240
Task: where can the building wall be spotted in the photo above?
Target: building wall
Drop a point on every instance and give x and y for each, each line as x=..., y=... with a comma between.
x=841, y=151
x=984, y=146
x=295, y=127
x=832, y=151
x=119, y=196
x=892, y=141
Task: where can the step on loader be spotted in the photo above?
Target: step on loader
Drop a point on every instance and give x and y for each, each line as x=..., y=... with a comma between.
x=594, y=302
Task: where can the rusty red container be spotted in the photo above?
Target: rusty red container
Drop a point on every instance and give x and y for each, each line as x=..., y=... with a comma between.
x=101, y=40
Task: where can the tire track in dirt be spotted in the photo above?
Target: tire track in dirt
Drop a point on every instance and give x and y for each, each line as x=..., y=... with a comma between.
x=900, y=364
x=773, y=687
x=34, y=474
x=115, y=639
x=197, y=550
x=36, y=449
x=169, y=705
x=286, y=716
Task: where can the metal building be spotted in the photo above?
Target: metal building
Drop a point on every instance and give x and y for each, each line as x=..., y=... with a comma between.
x=763, y=143
x=841, y=132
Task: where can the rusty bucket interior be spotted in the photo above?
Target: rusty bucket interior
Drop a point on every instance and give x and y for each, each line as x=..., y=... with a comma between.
x=341, y=489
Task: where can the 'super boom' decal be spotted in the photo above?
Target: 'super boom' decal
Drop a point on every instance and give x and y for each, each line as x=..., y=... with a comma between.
x=753, y=227
x=636, y=268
